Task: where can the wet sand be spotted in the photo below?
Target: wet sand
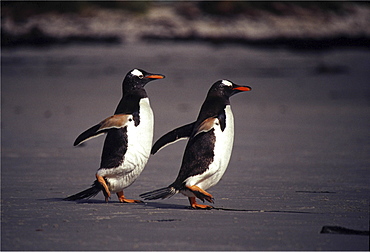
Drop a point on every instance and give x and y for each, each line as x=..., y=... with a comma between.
x=300, y=160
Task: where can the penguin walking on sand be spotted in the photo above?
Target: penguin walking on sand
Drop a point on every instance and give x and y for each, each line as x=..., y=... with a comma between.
x=128, y=142
x=208, y=150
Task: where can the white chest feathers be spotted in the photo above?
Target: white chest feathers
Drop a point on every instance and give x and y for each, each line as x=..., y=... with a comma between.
x=224, y=142
x=140, y=137
x=139, y=143
x=222, y=152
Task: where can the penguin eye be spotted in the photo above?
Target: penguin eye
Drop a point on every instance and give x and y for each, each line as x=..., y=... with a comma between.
x=141, y=76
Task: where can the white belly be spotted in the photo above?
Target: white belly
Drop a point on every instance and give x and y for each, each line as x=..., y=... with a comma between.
x=139, y=139
x=222, y=153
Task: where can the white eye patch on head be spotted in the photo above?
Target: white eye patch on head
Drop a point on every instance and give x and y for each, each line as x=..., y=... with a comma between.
x=226, y=83
x=137, y=72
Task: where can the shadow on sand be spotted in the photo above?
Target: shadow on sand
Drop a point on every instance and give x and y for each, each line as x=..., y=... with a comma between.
x=174, y=206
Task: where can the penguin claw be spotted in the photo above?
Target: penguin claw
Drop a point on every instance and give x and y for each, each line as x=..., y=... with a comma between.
x=200, y=206
x=131, y=201
x=201, y=194
x=209, y=199
x=122, y=199
x=195, y=205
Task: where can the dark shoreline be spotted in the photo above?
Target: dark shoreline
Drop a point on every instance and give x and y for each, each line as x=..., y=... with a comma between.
x=275, y=43
x=296, y=26
x=36, y=38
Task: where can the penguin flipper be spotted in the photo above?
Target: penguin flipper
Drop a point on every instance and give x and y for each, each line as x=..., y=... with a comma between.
x=205, y=126
x=209, y=124
x=112, y=122
x=173, y=136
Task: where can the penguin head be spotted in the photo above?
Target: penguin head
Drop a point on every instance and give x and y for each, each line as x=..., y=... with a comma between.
x=138, y=78
x=226, y=88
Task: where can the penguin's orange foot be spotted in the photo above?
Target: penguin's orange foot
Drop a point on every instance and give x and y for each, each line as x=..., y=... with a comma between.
x=130, y=201
x=195, y=205
x=121, y=198
x=201, y=194
x=106, y=192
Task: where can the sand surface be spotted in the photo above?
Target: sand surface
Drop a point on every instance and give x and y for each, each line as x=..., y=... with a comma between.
x=300, y=161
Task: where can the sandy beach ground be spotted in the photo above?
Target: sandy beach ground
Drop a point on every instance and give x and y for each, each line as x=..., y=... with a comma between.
x=300, y=161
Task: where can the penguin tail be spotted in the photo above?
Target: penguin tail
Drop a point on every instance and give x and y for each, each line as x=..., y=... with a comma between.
x=95, y=188
x=162, y=193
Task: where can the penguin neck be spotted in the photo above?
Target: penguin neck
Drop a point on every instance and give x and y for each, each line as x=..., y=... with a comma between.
x=217, y=99
x=133, y=90
x=129, y=102
x=213, y=106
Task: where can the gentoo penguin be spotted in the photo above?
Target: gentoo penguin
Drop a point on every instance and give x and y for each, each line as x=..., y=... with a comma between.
x=128, y=142
x=208, y=150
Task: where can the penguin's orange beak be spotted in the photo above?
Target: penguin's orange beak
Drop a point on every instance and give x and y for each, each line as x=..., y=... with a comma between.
x=243, y=88
x=155, y=76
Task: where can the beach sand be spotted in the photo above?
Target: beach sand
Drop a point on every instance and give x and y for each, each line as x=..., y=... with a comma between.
x=300, y=159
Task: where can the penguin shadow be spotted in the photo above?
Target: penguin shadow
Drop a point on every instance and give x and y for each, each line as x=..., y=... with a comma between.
x=160, y=205
x=157, y=205
x=84, y=201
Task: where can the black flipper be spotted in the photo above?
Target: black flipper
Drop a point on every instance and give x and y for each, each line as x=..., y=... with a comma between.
x=88, y=134
x=162, y=193
x=112, y=122
x=173, y=136
x=95, y=188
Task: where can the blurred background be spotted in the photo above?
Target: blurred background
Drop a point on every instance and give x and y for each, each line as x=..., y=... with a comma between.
x=314, y=25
